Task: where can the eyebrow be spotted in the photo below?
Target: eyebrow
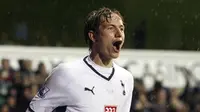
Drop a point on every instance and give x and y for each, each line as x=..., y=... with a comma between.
x=114, y=25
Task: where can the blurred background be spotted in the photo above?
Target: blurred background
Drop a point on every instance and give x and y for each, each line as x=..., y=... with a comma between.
x=161, y=49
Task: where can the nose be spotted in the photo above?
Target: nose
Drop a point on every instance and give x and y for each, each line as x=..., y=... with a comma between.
x=118, y=33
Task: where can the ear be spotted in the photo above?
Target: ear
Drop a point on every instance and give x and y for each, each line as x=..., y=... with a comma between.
x=91, y=35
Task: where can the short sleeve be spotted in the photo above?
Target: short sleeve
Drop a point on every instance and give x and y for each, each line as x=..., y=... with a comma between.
x=53, y=94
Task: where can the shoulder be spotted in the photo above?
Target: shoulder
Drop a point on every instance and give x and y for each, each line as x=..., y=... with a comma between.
x=123, y=70
x=65, y=70
x=67, y=66
x=126, y=74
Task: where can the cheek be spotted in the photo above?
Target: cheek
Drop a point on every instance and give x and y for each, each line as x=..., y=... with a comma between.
x=105, y=40
x=104, y=43
x=123, y=41
x=108, y=34
x=123, y=36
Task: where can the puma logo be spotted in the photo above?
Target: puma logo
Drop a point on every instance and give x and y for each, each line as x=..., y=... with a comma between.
x=91, y=90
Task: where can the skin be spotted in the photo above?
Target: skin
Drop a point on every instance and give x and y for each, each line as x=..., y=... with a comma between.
x=103, y=51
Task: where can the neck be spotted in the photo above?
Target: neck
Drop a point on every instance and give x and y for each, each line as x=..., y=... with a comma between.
x=100, y=60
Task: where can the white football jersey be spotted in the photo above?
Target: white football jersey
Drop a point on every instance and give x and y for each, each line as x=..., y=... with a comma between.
x=83, y=86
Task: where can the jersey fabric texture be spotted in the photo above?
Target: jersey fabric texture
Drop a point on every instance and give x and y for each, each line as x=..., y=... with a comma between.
x=83, y=86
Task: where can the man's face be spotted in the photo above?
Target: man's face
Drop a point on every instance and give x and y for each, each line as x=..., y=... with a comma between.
x=110, y=37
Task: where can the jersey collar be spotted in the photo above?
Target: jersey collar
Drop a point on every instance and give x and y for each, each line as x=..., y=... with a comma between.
x=99, y=74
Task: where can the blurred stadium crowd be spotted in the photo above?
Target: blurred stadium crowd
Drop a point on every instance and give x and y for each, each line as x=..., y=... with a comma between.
x=162, y=99
x=18, y=86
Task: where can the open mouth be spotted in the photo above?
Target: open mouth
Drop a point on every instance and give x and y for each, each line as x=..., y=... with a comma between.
x=117, y=44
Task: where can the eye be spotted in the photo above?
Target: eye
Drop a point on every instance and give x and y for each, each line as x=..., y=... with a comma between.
x=110, y=28
x=122, y=28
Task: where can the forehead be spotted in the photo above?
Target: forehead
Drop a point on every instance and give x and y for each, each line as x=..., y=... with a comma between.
x=114, y=19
